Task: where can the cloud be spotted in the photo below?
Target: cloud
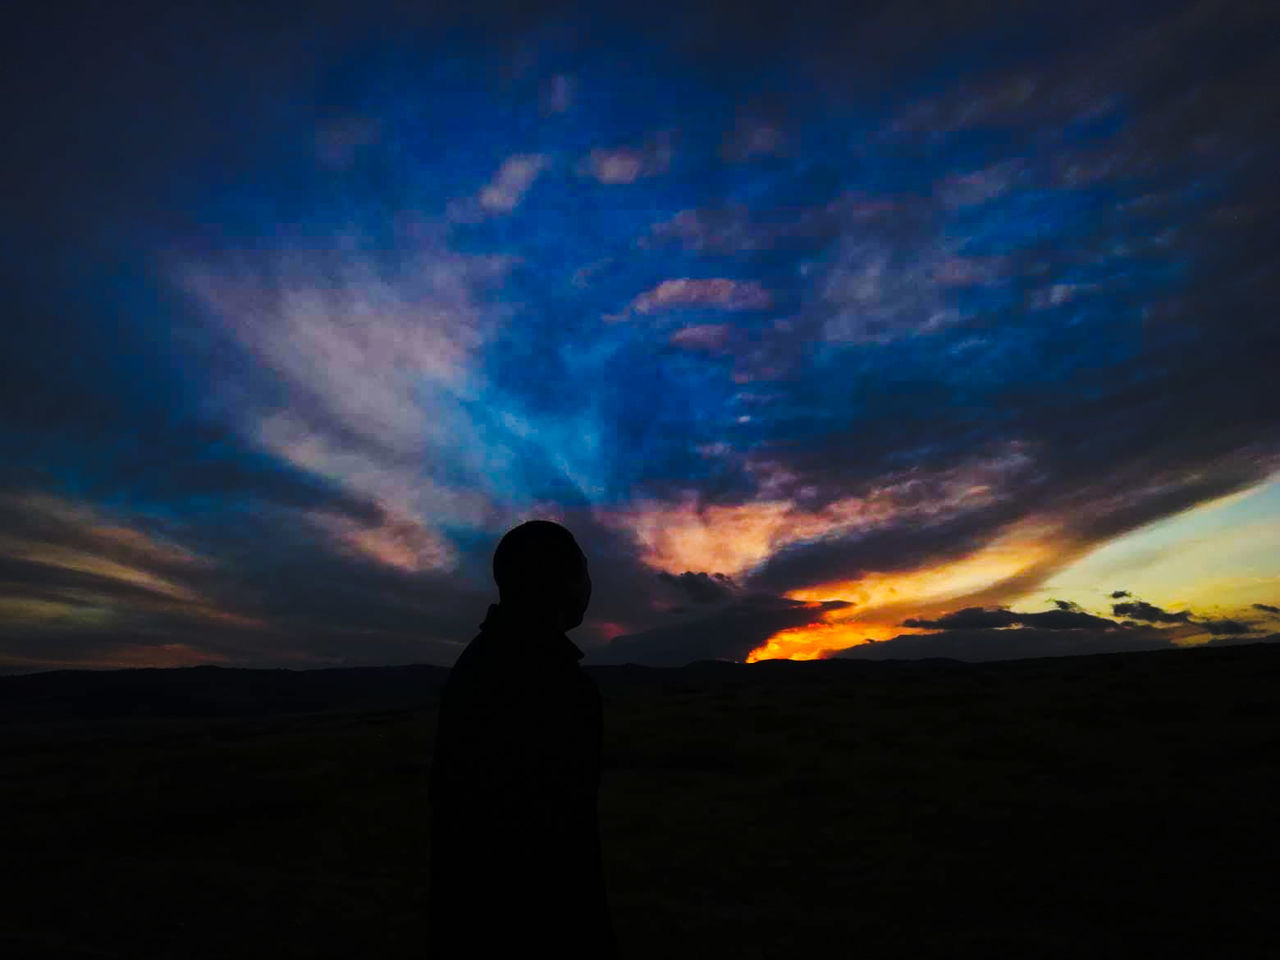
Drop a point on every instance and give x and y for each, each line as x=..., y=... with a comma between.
x=370, y=372
x=1266, y=608
x=981, y=634
x=978, y=186
x=378, y=394
x=503, y=193
x=976, y=618
x=1019, y=264
x=82, y=649
x=623, y=165
x=976, y=633
x=1148, y=613
x=68, y=568
x=978, y=645
x=558, y=94
x=512, y=181
x=919, y=572
x=956, y=271
x=396, y=540
x=904, y=520
x=710, y=337
x=1000, y=102
x=715, y=230
x=961, y=557
x=1117, y=594
x=869, y=291
x=752, y=137
x=339, y=142
x=736, y=228
x=716, y=293
x=738, y=537
x=1226, y=627
x=700, y=587
x=1237, y=641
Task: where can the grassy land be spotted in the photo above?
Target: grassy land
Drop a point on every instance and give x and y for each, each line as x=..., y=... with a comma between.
x=1104, y=806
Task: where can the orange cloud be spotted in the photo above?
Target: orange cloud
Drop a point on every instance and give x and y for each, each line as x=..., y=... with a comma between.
x=1002, y=570
x=722, y=539
x=733, y=538
x=1025, y=547
x=816, y=641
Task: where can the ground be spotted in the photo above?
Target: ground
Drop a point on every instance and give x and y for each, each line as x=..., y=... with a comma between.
x=1118, y=805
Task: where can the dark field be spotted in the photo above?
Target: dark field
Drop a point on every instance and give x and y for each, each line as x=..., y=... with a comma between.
x=1118, y=806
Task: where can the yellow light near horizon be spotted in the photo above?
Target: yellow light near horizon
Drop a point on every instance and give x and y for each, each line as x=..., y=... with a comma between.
x=816, y=641
x=881, y=601
x=1217, y=558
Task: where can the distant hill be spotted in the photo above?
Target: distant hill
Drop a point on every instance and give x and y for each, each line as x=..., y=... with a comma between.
x=210, y=691
x=213, y=692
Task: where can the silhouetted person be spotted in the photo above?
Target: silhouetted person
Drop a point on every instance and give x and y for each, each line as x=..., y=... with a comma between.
x=515, y=846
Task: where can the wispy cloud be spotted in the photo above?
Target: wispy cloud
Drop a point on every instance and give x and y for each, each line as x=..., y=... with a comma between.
x=752, y=137
x=711, y=337
x=872, y=292
x=999, y=102
x=736, y=228
x=623, y=165
x=899, y=342
x=718, y=230
x=375, y=372
x=66, y=565
x=512, y=181
x=734, y=538
x=978, y=186
x=715, y=293
x=399, y=541
x=338, y=142
x=558, y=93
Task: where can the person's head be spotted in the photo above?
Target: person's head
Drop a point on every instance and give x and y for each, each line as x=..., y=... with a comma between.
x=541, y=572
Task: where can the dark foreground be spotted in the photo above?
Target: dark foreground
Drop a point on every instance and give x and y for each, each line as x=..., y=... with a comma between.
x=1122, y=806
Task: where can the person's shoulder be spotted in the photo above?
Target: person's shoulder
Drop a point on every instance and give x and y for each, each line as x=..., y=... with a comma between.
x=475, y=665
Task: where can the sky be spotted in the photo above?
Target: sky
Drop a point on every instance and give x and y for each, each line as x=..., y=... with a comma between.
x=852, y=330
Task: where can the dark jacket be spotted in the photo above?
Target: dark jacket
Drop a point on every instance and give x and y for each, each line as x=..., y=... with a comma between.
x=515, y=845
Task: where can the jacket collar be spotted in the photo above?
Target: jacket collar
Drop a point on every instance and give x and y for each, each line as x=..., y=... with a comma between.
x=499, y=622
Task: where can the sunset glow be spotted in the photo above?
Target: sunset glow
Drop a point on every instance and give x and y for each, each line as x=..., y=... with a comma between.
x=881, y=601
x=819, y=640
